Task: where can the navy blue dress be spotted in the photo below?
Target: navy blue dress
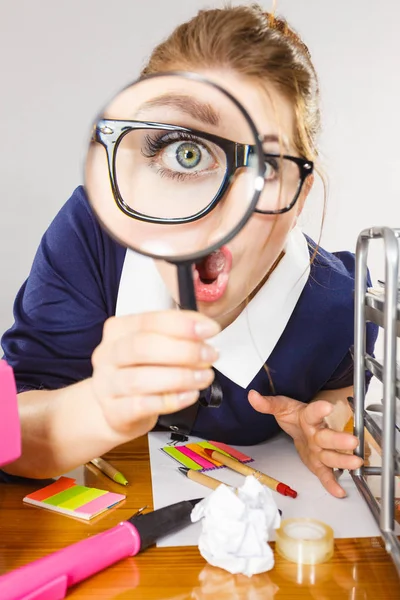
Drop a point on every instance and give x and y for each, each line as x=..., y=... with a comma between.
x=72, y=289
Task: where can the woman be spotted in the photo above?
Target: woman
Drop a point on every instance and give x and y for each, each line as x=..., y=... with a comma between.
x=89, y=380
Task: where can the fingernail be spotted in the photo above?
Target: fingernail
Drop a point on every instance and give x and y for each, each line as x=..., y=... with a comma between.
x=203, y=375
x=188, y=397
x=208, y=354
x=206, y=329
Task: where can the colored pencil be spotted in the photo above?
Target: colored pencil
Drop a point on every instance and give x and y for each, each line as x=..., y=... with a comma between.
x=235, y=465
x=109, y=470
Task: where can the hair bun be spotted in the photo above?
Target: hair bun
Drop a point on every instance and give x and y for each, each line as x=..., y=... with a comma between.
x=281, y=25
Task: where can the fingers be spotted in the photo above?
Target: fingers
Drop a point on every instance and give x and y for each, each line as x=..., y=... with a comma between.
x=335, y=440
x=151, y=364
x=328, y=480
x=178, y=324
x=336, y=449
x=333, y=447
x=258, y=402
x=156, y=380
x=128, y=411
x=275, y=405
x=159, y=338
x=338, y=460
x=324, y=473
x=155, y=349
x=316, y=412
x=312, y=459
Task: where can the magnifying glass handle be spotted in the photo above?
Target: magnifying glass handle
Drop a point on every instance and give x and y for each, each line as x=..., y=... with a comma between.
x=187, y=296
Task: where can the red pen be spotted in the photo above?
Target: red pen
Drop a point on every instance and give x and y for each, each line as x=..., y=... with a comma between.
x=235, y=465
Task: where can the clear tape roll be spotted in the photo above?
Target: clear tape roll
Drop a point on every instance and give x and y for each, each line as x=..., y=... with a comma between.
x=304, y=541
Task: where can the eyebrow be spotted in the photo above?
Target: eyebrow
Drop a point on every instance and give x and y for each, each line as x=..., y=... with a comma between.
x=201, y=111
x=272, y=138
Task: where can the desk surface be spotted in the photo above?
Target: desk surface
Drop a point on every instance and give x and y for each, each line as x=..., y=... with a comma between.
x=359, y=569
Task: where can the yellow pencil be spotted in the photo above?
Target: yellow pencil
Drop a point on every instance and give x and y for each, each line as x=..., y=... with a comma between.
x=109, y=470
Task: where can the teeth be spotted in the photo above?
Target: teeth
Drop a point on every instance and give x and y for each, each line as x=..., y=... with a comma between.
x=196, y=275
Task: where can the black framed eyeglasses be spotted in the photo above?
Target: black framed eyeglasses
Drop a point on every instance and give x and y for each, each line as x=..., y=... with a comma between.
x=161, y=173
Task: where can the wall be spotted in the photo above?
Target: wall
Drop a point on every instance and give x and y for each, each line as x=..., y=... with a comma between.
x=59, y=62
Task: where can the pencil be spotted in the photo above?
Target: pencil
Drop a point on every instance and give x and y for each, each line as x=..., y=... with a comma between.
x=200, y=478
x=109, y=470
x=235, y=465
x=209, y=482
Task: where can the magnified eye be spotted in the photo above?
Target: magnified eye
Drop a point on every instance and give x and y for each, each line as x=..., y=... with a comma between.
x=188, y=155
x=174, y=155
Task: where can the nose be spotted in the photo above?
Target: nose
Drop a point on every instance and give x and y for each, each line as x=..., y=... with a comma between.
x=213, y=229
x=235, y=203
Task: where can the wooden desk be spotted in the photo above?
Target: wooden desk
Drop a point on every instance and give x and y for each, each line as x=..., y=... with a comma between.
x=359, y=569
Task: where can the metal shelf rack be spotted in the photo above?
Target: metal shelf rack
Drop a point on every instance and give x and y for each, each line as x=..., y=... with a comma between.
x=384, y=310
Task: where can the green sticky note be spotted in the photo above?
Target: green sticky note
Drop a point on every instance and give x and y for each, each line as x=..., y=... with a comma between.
x=87, y=496
x=182, y=458
x=66, y=495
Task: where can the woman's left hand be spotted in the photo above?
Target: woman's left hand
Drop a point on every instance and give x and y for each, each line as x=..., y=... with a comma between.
x=320, y=448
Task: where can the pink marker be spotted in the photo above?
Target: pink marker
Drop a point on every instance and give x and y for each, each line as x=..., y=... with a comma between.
x=50, y=577
x=10, y=433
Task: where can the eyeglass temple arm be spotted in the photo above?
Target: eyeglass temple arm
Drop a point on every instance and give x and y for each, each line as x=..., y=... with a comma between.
x=243, y=153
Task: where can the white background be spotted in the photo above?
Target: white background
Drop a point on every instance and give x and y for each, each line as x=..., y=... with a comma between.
x=60, y=61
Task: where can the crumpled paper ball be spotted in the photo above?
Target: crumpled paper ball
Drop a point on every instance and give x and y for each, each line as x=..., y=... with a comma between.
x=236, y=527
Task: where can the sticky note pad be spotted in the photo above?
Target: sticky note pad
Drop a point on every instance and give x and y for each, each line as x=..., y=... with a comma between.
x=182, y=458
x=66, y=497
x=192, y=455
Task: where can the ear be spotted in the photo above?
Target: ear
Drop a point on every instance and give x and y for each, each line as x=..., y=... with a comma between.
x=306, y=189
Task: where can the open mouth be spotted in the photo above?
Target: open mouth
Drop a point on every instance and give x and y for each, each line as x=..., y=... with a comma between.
x=211, y=275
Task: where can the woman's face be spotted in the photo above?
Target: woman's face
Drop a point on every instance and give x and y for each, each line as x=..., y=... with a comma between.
x=174, y=174
x=245, y=261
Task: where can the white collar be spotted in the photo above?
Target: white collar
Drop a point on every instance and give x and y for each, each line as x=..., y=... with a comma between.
x=247, y=343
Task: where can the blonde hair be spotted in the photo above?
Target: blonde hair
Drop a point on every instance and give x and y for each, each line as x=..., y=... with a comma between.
x=255, y=44
x=260, y=46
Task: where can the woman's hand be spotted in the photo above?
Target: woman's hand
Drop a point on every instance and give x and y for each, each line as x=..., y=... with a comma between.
x=321, y=449
x=151, y=364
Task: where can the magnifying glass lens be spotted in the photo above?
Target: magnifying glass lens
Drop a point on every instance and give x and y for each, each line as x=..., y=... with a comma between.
x=174, y=167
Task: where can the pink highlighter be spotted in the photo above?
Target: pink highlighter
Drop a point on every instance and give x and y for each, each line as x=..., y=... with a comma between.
x=10, y=433
x=50, y=577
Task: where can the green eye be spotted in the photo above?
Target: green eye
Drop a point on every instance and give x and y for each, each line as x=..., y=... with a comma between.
x=188, y=155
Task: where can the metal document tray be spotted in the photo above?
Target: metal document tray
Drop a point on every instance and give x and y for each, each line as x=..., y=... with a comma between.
x=383, y=308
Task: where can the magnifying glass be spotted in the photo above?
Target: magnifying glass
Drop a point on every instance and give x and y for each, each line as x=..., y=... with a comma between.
x=174, y=171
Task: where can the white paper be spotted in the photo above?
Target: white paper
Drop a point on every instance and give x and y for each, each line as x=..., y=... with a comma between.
x=236, y=527
x=349, y=517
